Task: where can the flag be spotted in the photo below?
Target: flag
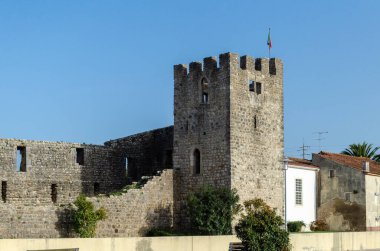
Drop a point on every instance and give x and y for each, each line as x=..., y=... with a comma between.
x=269, y=42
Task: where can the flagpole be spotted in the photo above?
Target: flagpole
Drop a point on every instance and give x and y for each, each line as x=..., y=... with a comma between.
x=269, y=45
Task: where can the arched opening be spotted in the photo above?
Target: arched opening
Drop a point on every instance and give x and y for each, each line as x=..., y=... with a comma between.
x=197, y=161
x=204, y=87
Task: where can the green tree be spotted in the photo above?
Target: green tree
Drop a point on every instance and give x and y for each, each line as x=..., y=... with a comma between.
x=211, y=210
x=260, y=228
x=362, y=150
x=85, y=217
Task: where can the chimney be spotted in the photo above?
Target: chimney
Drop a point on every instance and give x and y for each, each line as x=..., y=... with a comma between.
x=366, y=166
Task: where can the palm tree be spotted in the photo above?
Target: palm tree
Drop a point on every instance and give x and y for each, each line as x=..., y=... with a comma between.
x=363, y=150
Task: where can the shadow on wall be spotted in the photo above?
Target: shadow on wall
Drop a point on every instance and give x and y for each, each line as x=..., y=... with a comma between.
x=144, y=245
x=64, y=224
x=341, y=215
x=161, y=217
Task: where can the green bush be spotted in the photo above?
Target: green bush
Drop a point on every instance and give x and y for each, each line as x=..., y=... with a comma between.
x=211, y=210
x=163, y=232
x=259, y=228
x=295, y=226
x=85, y=217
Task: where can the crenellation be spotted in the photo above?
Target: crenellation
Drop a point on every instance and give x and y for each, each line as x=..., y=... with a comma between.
x=195, y=68
x=210, y=64
x=247, y=63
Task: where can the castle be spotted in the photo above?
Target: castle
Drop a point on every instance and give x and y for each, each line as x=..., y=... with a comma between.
x=228, y=132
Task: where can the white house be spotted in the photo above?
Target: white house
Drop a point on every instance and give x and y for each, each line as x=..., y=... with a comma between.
x=301, y=191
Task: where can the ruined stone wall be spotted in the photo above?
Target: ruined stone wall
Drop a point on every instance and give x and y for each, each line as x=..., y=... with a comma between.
x=138, y=210
x=147, y=152
x=200, y=126
x=257, y=129
x=342, y=197
x=30, y=206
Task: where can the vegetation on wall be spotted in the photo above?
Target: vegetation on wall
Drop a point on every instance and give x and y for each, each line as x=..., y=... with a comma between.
x=211, y=210
x=319, y=225
x=85, y=217
x=295, y=226
x=260, y=228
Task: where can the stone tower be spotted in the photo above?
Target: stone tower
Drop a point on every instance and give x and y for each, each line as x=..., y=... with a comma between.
x=228, y=128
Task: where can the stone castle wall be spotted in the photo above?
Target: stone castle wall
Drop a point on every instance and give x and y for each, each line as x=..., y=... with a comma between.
x=257, y=129
x=138, y=210
x=30, y=206
x=233, y=115
x=147, y=152
x=200, y=126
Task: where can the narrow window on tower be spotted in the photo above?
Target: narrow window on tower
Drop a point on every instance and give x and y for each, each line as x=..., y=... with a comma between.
x=255, y=122
x=54, y=193
x=204, y=89
x=196, y=159
x=21, y=159
x=258, y=88
x=251, y=85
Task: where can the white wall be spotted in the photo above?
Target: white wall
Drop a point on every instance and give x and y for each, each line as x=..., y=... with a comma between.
x=307, y=211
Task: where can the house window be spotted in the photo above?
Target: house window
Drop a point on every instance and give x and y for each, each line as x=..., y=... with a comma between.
x=298, y=191
x=331, y=173
x=258, y=88
x=197, y=161
x=21, y=159
x=4, y=191
x=54, y=193
x=80, y=156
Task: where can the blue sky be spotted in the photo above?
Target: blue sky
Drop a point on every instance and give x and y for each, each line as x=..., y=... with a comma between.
x=90, y=71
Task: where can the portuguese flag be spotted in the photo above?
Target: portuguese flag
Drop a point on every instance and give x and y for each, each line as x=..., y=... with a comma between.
x=269, y=42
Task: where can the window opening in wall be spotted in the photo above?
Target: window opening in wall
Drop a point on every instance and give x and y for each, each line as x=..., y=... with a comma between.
x=331, y=173
x=204, y=87
x=298, y=192
x=169, y=159
x=258, y=88
x=4, y=191
x=54, y=193
x=197, y=161
x=80, y=156
x=96, y=188
x=251, y=85
x=21, y=159
x=205, y=98
x=255, y=121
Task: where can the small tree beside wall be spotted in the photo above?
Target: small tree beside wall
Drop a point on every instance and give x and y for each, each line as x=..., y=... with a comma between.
x=85, y=217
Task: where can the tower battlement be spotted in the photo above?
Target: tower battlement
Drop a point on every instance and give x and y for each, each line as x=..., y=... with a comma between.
x=229, y=61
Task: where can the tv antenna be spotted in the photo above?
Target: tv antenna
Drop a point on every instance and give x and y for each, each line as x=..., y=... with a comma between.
x=303, y=149
x=320, y=138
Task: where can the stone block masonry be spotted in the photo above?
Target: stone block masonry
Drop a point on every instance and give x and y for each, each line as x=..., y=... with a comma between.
x=138, y=210
x=228, y=128
x=228, y=132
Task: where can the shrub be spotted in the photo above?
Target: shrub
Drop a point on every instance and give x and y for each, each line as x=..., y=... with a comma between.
x=211, y=210
x=319, y=225
x=163, y=232
x=259, y=228
x=295, y=226
x=85, y=217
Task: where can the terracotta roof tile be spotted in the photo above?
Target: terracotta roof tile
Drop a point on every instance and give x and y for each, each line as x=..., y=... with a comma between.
x=352, y=161
x=301, y=162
